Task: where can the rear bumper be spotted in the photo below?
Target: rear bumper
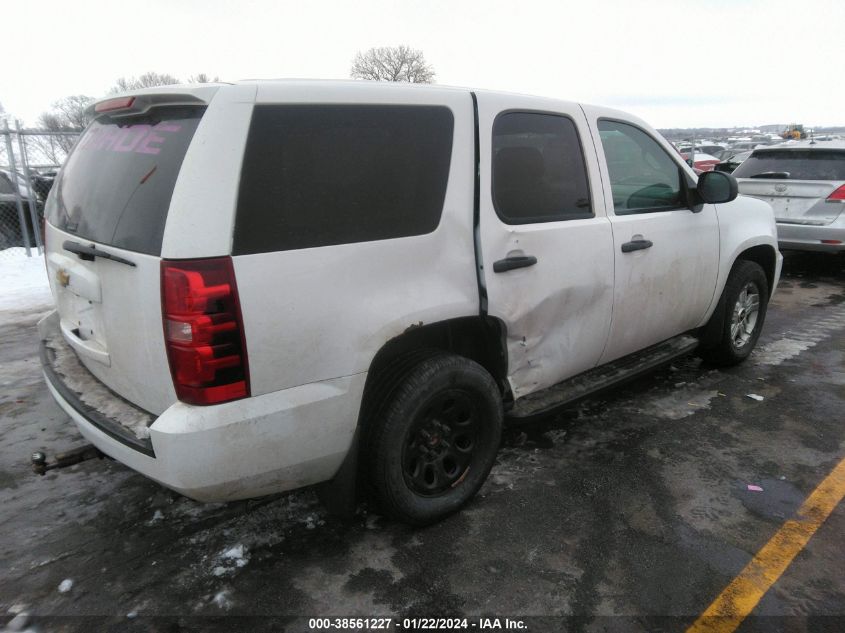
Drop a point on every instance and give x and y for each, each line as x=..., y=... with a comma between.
x=237, y=450
x=809, y=238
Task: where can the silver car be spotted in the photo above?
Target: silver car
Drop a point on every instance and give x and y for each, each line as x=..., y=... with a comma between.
x=805, y=184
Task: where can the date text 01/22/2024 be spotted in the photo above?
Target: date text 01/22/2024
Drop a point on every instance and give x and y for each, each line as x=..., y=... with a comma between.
x=415, y=624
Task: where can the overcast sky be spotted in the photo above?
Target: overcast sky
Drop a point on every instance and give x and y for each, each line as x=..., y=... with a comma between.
x=676, y=63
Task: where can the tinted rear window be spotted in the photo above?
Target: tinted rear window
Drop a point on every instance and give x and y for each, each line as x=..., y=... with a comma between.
x=323, y=175
x=799, y=164
x=117, y=183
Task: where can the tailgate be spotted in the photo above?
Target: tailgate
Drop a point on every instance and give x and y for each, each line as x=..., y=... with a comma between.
x=105, y=224
x=110, y=314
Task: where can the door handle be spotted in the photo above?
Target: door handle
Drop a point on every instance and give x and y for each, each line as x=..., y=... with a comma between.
x=509, y=263
x=636, y=245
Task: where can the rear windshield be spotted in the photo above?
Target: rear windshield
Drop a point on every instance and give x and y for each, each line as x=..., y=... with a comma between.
x=317, y=175
x=816, y=164
x=116, y=186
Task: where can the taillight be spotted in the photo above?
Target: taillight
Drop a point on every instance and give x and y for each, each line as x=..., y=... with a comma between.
x=203, y=330
x=839, y=194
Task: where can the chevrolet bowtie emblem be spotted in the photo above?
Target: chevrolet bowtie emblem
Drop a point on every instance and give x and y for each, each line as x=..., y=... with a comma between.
x=63, y=277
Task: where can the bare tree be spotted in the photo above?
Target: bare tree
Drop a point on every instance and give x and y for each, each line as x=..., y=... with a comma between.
x=202, y=78
x=67, y=115
x=147, y=80
x=392, y=63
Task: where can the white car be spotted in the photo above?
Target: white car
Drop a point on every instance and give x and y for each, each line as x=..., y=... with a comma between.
x=804, y=181
x=267, y=285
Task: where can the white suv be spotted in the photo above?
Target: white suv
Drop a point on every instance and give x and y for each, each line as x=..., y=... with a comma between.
x=267, y=285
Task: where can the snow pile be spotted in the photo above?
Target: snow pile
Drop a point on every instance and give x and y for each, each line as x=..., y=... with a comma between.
x=231, y=559
x=223, y=599
x=158, y=517
x=92, y=392
x=23, y=281
x=776, y=352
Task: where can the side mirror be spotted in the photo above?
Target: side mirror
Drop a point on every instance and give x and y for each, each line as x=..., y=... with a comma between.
x=716, y=187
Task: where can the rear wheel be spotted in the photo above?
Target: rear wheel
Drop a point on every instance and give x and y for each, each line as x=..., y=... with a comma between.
x=433, y=442
x=736, y=324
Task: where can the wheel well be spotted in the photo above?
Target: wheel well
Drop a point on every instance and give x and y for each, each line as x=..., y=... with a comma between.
x=481, y=339
x=764, y=255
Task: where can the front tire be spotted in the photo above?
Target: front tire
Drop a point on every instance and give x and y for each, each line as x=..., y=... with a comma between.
x=738, y=319
x=434, y=441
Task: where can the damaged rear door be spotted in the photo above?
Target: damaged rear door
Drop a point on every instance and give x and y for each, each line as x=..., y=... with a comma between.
x=546, y=243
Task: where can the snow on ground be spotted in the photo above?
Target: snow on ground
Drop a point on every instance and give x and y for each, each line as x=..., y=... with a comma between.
x=23, y=281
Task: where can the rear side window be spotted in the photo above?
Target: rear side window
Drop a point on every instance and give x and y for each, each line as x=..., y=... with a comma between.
x=796, y=164
x=317, y=175
x=538, y=169
x=116, y=186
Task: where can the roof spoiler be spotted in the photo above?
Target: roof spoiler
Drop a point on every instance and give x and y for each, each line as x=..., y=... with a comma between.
x=133, y=105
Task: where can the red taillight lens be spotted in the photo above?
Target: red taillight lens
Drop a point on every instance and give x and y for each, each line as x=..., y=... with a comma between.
x=203, y=330
x=839, y=194
x=120, y=103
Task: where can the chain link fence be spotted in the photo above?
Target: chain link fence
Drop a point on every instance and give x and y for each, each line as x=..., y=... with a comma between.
x=29, y=162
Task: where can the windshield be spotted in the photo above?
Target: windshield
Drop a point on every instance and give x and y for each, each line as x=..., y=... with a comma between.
x=816, y=164
x=116, y=186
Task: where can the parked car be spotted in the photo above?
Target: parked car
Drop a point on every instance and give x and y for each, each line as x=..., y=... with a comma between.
x=268, y=285
x=11, y=233
x=742, y=146
x=43, y=182
x=713, y=149
x=22, y=184
x=702, y=162
x=804, y=181
x=729, y=161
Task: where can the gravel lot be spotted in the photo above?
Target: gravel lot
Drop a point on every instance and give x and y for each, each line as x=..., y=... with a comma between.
x=630, y=512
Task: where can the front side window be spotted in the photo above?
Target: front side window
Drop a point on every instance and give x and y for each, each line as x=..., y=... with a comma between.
x=643, y=177
x=319, y=175
x=539, y=173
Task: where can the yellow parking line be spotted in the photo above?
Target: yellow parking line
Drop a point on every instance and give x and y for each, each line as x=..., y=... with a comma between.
x=740, y=597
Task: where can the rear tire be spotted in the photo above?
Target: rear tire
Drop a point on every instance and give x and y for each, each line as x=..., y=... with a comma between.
x=738, y=319
x=433, y=441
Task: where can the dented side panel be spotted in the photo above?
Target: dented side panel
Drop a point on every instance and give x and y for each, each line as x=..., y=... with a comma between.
x=558, y=311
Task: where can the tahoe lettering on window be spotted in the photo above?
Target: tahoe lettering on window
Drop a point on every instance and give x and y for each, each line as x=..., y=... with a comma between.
x=142, y=138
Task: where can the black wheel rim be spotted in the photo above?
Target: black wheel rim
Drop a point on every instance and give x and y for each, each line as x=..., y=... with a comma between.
x=441, y=443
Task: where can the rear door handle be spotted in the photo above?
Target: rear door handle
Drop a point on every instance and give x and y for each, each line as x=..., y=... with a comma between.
x=636, y=245
x=509, y=263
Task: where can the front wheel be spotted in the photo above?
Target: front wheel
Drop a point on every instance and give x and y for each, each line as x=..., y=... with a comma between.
x=738, y=319
x=433, y=443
